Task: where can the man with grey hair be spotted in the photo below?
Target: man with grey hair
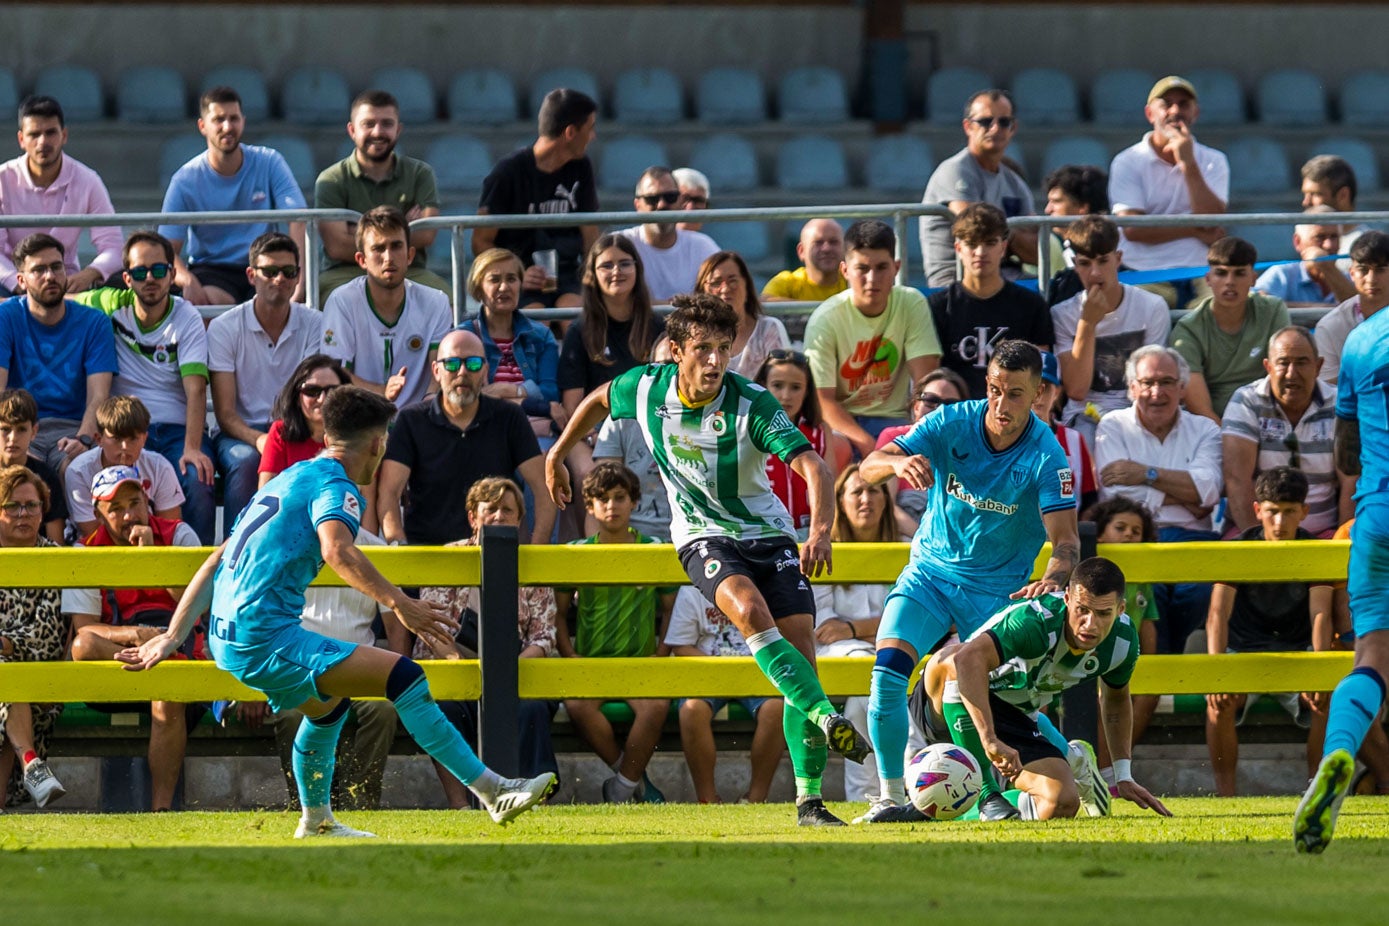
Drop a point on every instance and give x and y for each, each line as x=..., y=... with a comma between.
x=1316, y=281
x=978, y=173
x=694, y=193
x=1286, y=419
x=670, y=257
x=1168, y=460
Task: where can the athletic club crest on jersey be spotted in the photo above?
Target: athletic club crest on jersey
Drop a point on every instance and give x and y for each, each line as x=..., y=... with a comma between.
x=1018, y=475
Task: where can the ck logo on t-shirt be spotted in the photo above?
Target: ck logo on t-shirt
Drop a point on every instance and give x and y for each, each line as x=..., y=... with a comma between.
x=977, y=348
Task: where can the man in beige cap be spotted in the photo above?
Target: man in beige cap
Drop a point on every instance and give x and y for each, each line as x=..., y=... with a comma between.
x=1169, y=173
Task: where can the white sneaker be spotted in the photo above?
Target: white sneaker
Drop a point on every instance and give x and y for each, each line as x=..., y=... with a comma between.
x=1085, y=768
x=517, y=795
x=43, y=786
x=329, y=827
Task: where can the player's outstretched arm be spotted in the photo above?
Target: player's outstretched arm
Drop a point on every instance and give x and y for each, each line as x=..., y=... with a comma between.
x=890, y=460
x=1116, y=715
x=1064, y=536
x=589, y=413
x=192, y=604
x=815, y=552
x=971, y=665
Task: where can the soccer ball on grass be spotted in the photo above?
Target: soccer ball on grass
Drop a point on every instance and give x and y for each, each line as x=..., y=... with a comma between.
x=943, y=781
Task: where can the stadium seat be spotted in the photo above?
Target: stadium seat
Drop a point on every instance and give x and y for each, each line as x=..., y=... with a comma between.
x=1261, y=167
x=1118, y=96
x=298, y=155
x=1220, y=95
x=1273, y=242
x=898, y=164
x=1365, y=99
x=461, y=162
x=1361, y=157
x=151, y=95
x=730, y=96
x=315, y=96
x=648, y=96
x=177, y=151
x=9, y=90
x=729, y=162
x=947, y=90
x=555, y=78
x=249, y=85
x=412, y=90
x=1046, y=96
x=1080, y=150
x=1291, y=97
x=77, y=88
x=623, y=160
x=813, y=94
x=811, y=162
x=749, y=239
x=484, y=96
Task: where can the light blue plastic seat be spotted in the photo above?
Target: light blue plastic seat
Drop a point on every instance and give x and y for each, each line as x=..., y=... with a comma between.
x=813, y=95
x=297, y=154
x=77, y=88
x=412, y=89
x=248, y=83
x=9, y=91
x=460, y=161
x=571, y=78
x=1259, y=167
x=811, y=162
x=151, y=95
x=1273, y=242
x=1291, y=97
x=898, y=164
x=749, y=239
x=730, y=96
x=729, y=162
x=648, y=96
x=1081, y=150
x=1361, y=157
x=1118, y=96
x=177, y=151
x=315, y=96
x=1046, y=96
x=1220, y=96
x=483, y=96
x=1365, y=99
x=947, y=90
x=623, y=160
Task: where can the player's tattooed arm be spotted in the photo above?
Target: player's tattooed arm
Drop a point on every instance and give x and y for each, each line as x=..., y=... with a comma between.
x=1064, y=557
x=1346, y=446
x=1065, y=554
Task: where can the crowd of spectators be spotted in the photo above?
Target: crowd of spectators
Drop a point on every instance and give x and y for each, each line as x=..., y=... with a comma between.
x=1217, y=425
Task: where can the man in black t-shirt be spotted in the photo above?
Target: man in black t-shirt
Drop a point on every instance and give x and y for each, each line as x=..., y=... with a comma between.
x=551, y=177
x=982, y=308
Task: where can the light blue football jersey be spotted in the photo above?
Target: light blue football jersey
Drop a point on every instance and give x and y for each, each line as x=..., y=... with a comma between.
x=273, y=552
x=1362, y=393
x=983, y=522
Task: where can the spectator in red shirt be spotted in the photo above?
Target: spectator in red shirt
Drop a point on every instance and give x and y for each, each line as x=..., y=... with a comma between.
x=297, y=432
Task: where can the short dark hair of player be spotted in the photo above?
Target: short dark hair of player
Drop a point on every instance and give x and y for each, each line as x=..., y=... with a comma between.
x=1017, y=356
x=287, y=408
x=781, y=356
x=490, y=490
x=1371, y=248
x=978, y=223
x=1110, y=509
x=696, y=312
x=351, y=413
x=1099, y=576
x=33, y=244
x=610, y=475
x=273, y=242
x=17, y=406
x=562, y=108
x=147, y=237
x=1331, y=170
x=993, y=95
x=752, y=306
x=122, y=416
x=841, y=532
x=377, y=99
x=1232, y=252
x=1092, y=236
x=41, y=107
x=870, y=235
x=219, y=96
x=12, y=477
x=1086, y=184
x=1280, y=484
x=383, y=220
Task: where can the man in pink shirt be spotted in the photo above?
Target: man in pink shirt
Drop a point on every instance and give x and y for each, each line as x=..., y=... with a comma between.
x=45, y=182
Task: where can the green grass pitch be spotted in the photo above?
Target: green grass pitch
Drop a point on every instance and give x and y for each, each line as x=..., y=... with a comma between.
x=1217, y=861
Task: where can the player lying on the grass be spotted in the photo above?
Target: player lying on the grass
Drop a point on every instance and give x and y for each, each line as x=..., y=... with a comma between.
x=710, y=432
x=255, y=585
x=985, y=694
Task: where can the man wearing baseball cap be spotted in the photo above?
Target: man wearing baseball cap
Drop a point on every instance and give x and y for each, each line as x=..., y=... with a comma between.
x=107, y=620
x=1169, y=173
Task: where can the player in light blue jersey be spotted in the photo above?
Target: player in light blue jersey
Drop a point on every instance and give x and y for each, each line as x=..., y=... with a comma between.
x=999, y=486
x=255, y=585
x=1361, y=449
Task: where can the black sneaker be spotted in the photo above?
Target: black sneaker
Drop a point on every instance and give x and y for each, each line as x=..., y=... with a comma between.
x=846, y=740
x=882, y=810
x=814, y=813
x=996, y=807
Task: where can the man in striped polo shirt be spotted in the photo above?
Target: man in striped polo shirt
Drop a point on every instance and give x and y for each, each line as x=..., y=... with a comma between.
x=1285, y=419
x=710, y=432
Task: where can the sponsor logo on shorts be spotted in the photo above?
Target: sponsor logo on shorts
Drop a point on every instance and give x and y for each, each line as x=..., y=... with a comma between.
x=788, y=561
x=712, y=568
x=1068, y=482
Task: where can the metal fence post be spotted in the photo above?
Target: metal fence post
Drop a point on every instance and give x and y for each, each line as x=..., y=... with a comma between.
x=311, y=263
x=499, y=649
x=459, y=254
x=1080, y=705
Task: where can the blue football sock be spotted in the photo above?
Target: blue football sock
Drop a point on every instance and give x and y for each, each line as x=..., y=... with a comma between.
x=1354, y=706
x=315, y=756
x=433, y=733
x=1053, y=735
x=888, y=723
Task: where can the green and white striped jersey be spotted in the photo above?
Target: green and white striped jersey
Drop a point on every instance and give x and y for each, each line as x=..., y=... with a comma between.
x=1036, y=663
x=713, y=458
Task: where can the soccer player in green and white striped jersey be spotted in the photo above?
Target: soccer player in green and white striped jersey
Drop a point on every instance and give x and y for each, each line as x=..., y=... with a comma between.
x=710, y=432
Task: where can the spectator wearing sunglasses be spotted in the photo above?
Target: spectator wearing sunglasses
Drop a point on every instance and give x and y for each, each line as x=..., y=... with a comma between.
x=161, y=356
x=979, y=173
x=671, y=257
x=296, y=434
x=252, y=350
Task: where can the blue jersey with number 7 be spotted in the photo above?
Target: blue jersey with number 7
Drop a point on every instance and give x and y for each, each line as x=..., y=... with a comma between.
x=273, y=552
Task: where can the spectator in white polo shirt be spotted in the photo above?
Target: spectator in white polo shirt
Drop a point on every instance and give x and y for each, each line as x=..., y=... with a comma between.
x=670, y=257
